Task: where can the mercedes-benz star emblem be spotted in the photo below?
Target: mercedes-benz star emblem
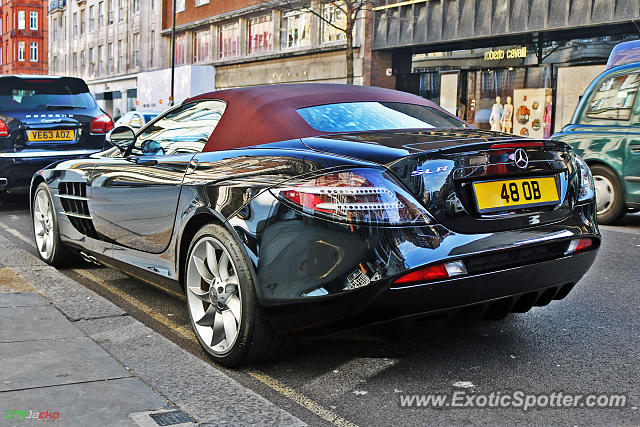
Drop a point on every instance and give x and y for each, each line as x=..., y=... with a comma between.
x=521, y=159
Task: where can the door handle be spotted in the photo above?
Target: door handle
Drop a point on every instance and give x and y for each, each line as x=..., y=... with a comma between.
x=150, y=162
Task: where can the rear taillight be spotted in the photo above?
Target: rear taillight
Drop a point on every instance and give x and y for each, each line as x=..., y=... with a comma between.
x=579, y=245
x=587, y=188
x=4, y=131
x=356, y=196
x=101, y=124
x=432, y=272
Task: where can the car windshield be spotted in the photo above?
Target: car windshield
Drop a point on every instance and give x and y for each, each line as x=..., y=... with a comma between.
x=367, y=116
x=44, y=94
x=149, y=116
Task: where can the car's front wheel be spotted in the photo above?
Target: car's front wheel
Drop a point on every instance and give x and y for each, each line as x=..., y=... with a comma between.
x=222, y=301
x=609, y=194
x=45, y=227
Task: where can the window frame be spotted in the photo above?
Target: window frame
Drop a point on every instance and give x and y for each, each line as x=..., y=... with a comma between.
x=586, y=114
x=22, y=20
x=21, y=51
x=31, y=50
x=150, y=123
x=33, y=17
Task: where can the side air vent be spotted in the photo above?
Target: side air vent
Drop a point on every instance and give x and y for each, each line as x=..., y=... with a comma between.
x=73, y=197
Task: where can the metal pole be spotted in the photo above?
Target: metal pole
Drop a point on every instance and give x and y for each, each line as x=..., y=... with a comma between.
x=173, y=53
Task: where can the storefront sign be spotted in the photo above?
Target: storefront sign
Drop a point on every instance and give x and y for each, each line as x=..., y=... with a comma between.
x=500, y=54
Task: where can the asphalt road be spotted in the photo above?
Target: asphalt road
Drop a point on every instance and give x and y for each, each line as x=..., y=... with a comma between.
x=587, y=343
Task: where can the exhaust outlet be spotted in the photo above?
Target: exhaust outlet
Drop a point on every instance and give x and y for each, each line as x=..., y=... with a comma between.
x=89, y=258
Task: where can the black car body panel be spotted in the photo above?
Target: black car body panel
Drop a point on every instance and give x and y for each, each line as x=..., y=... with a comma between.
x=139, y=213
x=20, y=158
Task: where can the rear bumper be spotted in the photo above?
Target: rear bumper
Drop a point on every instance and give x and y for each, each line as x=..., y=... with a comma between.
x=490, y=295
x=18, y=168
x=305, y=269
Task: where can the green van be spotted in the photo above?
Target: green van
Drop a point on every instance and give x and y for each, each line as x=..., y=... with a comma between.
x=605, y=132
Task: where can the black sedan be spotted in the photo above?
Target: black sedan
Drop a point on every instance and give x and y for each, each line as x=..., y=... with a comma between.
x=45, y=119
x=310, y=209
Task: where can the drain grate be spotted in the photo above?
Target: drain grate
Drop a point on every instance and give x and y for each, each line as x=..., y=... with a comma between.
x=172, y=418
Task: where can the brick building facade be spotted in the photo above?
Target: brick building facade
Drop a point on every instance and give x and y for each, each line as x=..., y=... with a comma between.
x=23, y=40
x=252, y=42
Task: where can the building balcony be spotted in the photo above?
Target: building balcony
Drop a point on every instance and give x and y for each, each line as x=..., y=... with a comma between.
x=57, y=5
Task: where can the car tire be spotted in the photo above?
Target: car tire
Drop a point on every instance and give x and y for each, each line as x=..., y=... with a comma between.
x=222, y=302
x=609, y=194
x=46, y=232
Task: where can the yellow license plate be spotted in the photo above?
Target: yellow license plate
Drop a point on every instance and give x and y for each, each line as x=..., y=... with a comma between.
x=52, y=135
x=493, y=196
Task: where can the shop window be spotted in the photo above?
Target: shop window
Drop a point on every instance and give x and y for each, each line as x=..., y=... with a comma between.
x=229, y=40
x=614, y=98
x=295, y=29
x=332, y=17
x=260, y=30
x=201, y=45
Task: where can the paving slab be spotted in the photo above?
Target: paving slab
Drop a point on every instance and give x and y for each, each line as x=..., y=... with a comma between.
x=45, y=363
x=70, y=297
x=34, y=323
x=21, y=300
x=197, y=387
x=101, y=403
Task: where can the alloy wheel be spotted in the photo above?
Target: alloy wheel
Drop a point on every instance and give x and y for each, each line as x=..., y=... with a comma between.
x=43, y=224
x=213, y=295
x=605, y=193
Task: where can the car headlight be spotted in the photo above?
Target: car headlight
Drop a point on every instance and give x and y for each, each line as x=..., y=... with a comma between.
x=356, y=196
x=586, y=189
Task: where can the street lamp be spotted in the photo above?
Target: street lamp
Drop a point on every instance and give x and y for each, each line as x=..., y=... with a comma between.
x=173, y=53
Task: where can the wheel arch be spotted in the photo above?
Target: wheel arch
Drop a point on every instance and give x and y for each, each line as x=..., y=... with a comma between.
x=195, y=223
x=35, y=182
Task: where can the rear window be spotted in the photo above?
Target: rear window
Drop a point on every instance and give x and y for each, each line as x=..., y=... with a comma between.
x=367, y=116
x=44, y=94
x=614, y=98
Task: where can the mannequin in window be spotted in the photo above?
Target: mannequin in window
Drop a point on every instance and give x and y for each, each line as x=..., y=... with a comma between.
x=507, y=116
x=496, y=115
x=548, y=108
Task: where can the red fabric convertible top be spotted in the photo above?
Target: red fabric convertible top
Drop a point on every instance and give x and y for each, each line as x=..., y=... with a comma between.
x=262, y=114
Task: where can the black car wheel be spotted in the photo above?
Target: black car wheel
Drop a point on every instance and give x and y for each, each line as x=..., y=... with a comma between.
x=609, y=194
x=222, y=302
x=45, y=227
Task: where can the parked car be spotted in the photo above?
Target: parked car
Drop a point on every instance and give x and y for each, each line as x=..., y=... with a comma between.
x=136, y=119
x=44, y=119
x=604, y=131
x=320, y=208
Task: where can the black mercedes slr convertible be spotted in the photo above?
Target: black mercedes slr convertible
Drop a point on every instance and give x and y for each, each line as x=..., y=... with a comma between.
x=310, y=209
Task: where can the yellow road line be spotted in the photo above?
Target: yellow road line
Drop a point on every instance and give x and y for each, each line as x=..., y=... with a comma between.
x=30, y=242
x=272, y=383
x=300, y=399
x=188, y=333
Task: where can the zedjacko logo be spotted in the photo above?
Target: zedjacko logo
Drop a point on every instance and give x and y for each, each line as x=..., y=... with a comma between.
x=45, y=416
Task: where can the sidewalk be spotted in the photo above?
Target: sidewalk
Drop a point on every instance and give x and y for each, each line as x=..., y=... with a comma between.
x=66, y=350
x=51, y=370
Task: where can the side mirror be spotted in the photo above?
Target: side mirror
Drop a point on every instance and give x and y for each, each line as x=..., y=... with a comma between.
x=121, y=137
